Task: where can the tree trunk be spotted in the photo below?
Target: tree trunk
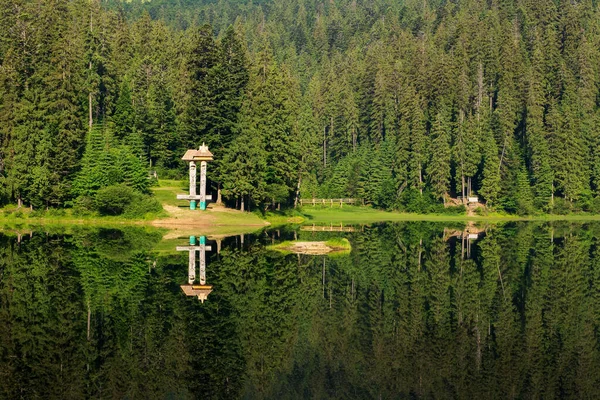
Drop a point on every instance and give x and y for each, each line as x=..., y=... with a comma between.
x=242, y=203
x=469, y=189
x=420, y=179
x=297, y=197
x=90, y=121
x=89, y=320
x=325, y=147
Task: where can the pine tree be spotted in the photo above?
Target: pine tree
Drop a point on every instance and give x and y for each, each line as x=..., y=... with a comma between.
x=199, y=116
x=536, y=137
x=523, y=194
x=123, y=116
x=159, y=134
x=569, y=153
x=490, y=183
x=438, y=169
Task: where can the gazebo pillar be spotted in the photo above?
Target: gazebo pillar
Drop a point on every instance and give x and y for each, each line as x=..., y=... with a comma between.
x=192, y=156
x=192, y=184
x=202, y=185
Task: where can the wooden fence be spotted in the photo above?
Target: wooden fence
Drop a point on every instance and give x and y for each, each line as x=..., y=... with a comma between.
x=329, y=202
x=327, y=228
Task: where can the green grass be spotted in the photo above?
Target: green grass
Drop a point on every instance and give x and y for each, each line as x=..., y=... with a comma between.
x=14, y=216
x=363, y=215
x=167, y=190
x=224, y=223
x=339, y=245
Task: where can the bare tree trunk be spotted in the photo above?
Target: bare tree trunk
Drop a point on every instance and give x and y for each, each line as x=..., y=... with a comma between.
x=90, y=122
x=323, y=277
x=89, y=320
x=463, y=188
x=469, y=191
x=242, y=203
x=297, y=196
x=420, y=179
x=325, y=147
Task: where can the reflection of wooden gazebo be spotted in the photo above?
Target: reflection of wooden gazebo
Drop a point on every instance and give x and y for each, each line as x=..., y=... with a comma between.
x=200, y=291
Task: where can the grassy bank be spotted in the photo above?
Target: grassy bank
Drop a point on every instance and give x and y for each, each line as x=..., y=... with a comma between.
x=363, y=215
x=178, y=217
x=335, y=246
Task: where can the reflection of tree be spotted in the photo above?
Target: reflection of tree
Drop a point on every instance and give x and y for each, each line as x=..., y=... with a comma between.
x=403, y=315
x=41, y=321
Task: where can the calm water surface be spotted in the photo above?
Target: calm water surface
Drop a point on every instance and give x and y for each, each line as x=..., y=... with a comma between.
x=414, y=311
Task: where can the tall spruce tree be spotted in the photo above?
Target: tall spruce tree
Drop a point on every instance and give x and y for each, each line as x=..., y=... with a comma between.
x=438, y=169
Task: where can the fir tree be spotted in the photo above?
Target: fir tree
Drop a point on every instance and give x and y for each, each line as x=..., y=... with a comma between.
x=438, y=169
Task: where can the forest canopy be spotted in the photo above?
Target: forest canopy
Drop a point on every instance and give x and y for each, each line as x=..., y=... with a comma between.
x=405, y=104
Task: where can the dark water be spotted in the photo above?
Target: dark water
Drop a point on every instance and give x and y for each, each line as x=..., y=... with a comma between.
x=411, y=312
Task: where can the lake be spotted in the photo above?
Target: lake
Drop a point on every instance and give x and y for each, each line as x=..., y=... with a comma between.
x=414, y=310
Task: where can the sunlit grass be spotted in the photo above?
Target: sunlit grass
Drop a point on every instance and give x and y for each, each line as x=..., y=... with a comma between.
x=362, y=215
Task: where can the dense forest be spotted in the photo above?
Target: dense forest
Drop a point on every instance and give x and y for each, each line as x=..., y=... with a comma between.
x=408, y=314
x=405, y=104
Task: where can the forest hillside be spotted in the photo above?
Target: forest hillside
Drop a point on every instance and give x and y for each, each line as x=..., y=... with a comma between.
x=405, y=104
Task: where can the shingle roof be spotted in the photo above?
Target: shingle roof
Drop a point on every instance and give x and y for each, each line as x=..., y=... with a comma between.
x=202, y=154
x=201, y=291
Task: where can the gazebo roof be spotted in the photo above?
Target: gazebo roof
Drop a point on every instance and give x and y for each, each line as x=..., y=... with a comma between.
x=202, y=154
x=200, y=291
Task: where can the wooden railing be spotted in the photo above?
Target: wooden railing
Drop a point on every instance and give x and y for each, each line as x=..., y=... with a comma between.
x=327, y=228
x=329, y=202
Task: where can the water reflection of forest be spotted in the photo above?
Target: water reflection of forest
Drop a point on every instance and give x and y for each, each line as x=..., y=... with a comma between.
x=408, y=314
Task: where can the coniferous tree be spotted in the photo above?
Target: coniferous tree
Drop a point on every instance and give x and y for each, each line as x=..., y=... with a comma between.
x=438, y=168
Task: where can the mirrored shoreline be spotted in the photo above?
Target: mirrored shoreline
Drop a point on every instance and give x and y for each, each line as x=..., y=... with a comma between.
x=414, y=310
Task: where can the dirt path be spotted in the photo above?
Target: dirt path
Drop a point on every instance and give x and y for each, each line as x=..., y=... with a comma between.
x=181, y=219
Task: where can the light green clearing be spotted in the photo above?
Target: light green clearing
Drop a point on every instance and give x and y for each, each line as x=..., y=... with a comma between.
x=334, y=246
x=231, y=223
x=363, y=215
x=167, y=190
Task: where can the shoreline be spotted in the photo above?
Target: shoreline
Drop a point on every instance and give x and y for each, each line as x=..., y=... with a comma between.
x=211, y=218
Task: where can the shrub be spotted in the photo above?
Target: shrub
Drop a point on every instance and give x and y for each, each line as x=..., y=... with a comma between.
x=123, y=200
x=562, y=206
x=142, y=205
x=56, y=212
x=83, y=205
x=459, y=210
x=414, y=201
x=112, y=200
x=39, y=213
x=595, y=205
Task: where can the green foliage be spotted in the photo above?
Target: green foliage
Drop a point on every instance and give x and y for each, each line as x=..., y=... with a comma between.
x=112, y=200
x=106, y=163
x=347, y=99
x=408, y=298
x=123, y=200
